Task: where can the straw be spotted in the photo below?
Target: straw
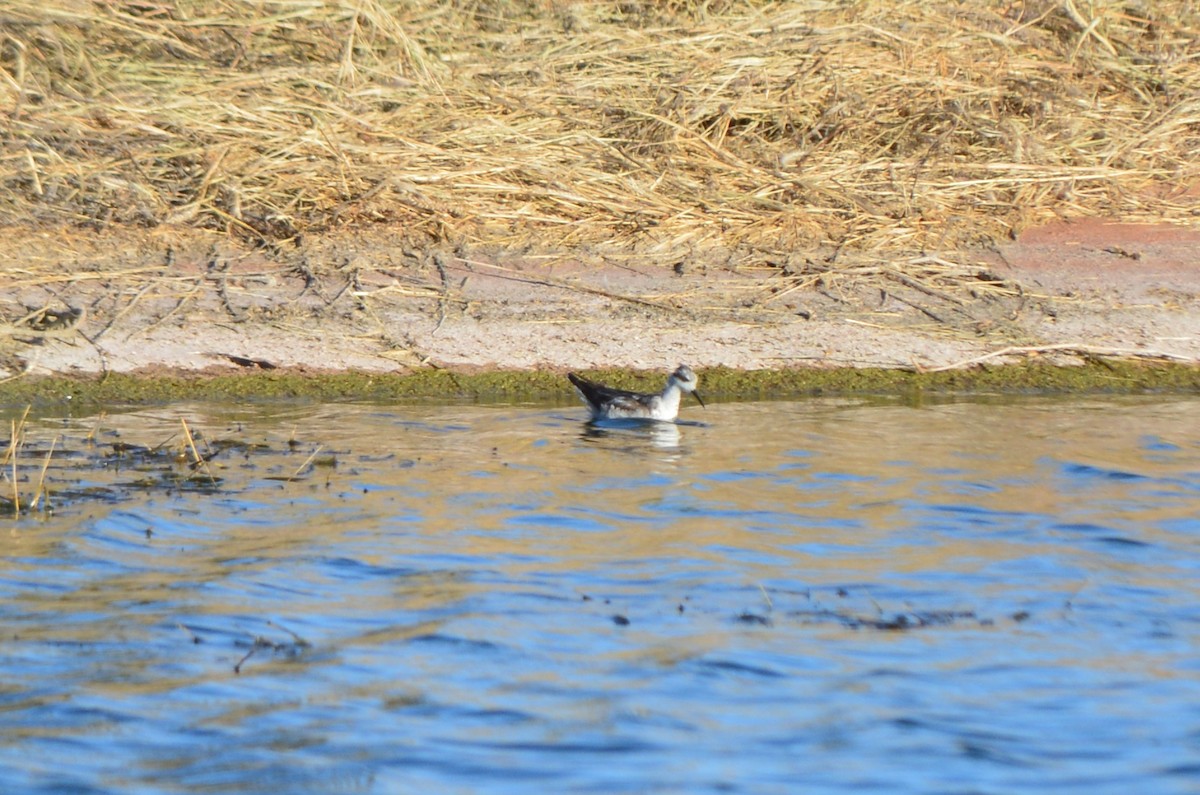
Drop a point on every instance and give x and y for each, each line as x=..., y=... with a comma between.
x=197, y=459
x=307, y=461
x=41, y=484
x=655, y=128
x=14, y=447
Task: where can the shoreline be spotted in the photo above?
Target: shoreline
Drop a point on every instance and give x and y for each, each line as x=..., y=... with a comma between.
x=125, y=315
x=1119, y=377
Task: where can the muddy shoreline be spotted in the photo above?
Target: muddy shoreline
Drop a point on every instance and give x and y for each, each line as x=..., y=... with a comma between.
x=1106, y=378
x=348, y=313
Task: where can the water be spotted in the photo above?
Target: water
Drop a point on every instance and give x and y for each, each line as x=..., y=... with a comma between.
x=820, y=596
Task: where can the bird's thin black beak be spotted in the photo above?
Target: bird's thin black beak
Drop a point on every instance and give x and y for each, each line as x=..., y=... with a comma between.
x=698, y=398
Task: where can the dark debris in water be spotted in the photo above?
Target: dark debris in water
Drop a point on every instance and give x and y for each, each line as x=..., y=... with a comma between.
x=877, y=620
x=730, y=666
x=54, y=468
x=754, y=619
x=292, y=649
x=890, y=622
x=906, y=621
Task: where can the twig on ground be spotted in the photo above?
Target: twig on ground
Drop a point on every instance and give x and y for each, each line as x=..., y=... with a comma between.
x=1075, y=348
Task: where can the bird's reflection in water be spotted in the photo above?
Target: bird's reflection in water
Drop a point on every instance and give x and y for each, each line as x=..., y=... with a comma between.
x=634, y=435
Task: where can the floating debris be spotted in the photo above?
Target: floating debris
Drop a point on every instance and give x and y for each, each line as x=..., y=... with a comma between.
x=42, y=472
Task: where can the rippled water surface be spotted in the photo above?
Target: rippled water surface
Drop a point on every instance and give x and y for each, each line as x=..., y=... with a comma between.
x=816, y=596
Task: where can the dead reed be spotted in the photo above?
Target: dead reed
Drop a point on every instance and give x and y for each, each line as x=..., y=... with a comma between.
x=198, y=461
x=661, y=126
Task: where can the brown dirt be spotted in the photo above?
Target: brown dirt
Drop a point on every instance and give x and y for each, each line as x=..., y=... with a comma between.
x=1106, y=284
x=190, y=300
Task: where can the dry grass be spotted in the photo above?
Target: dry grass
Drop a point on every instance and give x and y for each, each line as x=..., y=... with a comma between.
x=665, y=126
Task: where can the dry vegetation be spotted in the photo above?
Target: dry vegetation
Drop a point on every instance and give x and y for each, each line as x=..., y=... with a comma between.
x=631, y=124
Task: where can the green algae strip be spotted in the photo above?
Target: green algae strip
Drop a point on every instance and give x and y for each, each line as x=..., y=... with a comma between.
x=1098, y=377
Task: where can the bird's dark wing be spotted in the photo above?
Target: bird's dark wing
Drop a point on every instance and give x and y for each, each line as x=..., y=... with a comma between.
x=598, y=394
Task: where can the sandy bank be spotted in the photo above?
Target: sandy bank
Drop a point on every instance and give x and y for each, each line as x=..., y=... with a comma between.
x=183, y=301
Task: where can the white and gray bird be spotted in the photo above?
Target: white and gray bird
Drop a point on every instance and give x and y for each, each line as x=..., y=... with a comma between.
x=607, y=403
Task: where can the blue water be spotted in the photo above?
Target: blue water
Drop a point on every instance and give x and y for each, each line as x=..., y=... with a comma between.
x=818, y=596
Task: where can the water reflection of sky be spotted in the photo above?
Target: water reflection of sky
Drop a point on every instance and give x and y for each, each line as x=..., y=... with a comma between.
x=823, y=595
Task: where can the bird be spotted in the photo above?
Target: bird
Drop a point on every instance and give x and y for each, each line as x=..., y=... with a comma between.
x=607, y=403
